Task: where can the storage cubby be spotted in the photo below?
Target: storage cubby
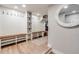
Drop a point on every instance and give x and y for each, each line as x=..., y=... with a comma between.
x=21, y=37
x=29, y=24
x=29, y=37
x=34, y=35
x=39, y=34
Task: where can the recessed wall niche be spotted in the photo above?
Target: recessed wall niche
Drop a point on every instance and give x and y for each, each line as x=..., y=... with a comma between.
x=68, y=15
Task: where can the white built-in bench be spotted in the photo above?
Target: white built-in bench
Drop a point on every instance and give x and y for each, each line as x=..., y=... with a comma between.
x=14, y=39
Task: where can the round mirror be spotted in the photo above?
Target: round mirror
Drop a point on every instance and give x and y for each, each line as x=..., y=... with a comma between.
x=69, y=15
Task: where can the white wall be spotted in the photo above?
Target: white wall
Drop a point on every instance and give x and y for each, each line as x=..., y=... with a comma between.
x=62, y=40
x=16, y=23
x=36, y=24
x=12, y=24
x=0, y=28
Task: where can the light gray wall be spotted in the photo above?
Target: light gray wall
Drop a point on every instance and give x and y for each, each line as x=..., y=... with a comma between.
x=36, y=24
x=62, y=40
x=12, y=24
x=16, y=24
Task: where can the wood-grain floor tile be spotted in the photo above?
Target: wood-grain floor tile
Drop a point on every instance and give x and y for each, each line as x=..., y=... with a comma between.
x=36, y=46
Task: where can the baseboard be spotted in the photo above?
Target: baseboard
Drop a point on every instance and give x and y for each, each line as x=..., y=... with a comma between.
x=55, y=51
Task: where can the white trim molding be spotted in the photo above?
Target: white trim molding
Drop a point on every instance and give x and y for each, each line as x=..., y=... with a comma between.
x=55, y=50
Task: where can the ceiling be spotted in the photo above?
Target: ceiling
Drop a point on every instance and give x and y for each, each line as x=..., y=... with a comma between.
x=41, y=9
